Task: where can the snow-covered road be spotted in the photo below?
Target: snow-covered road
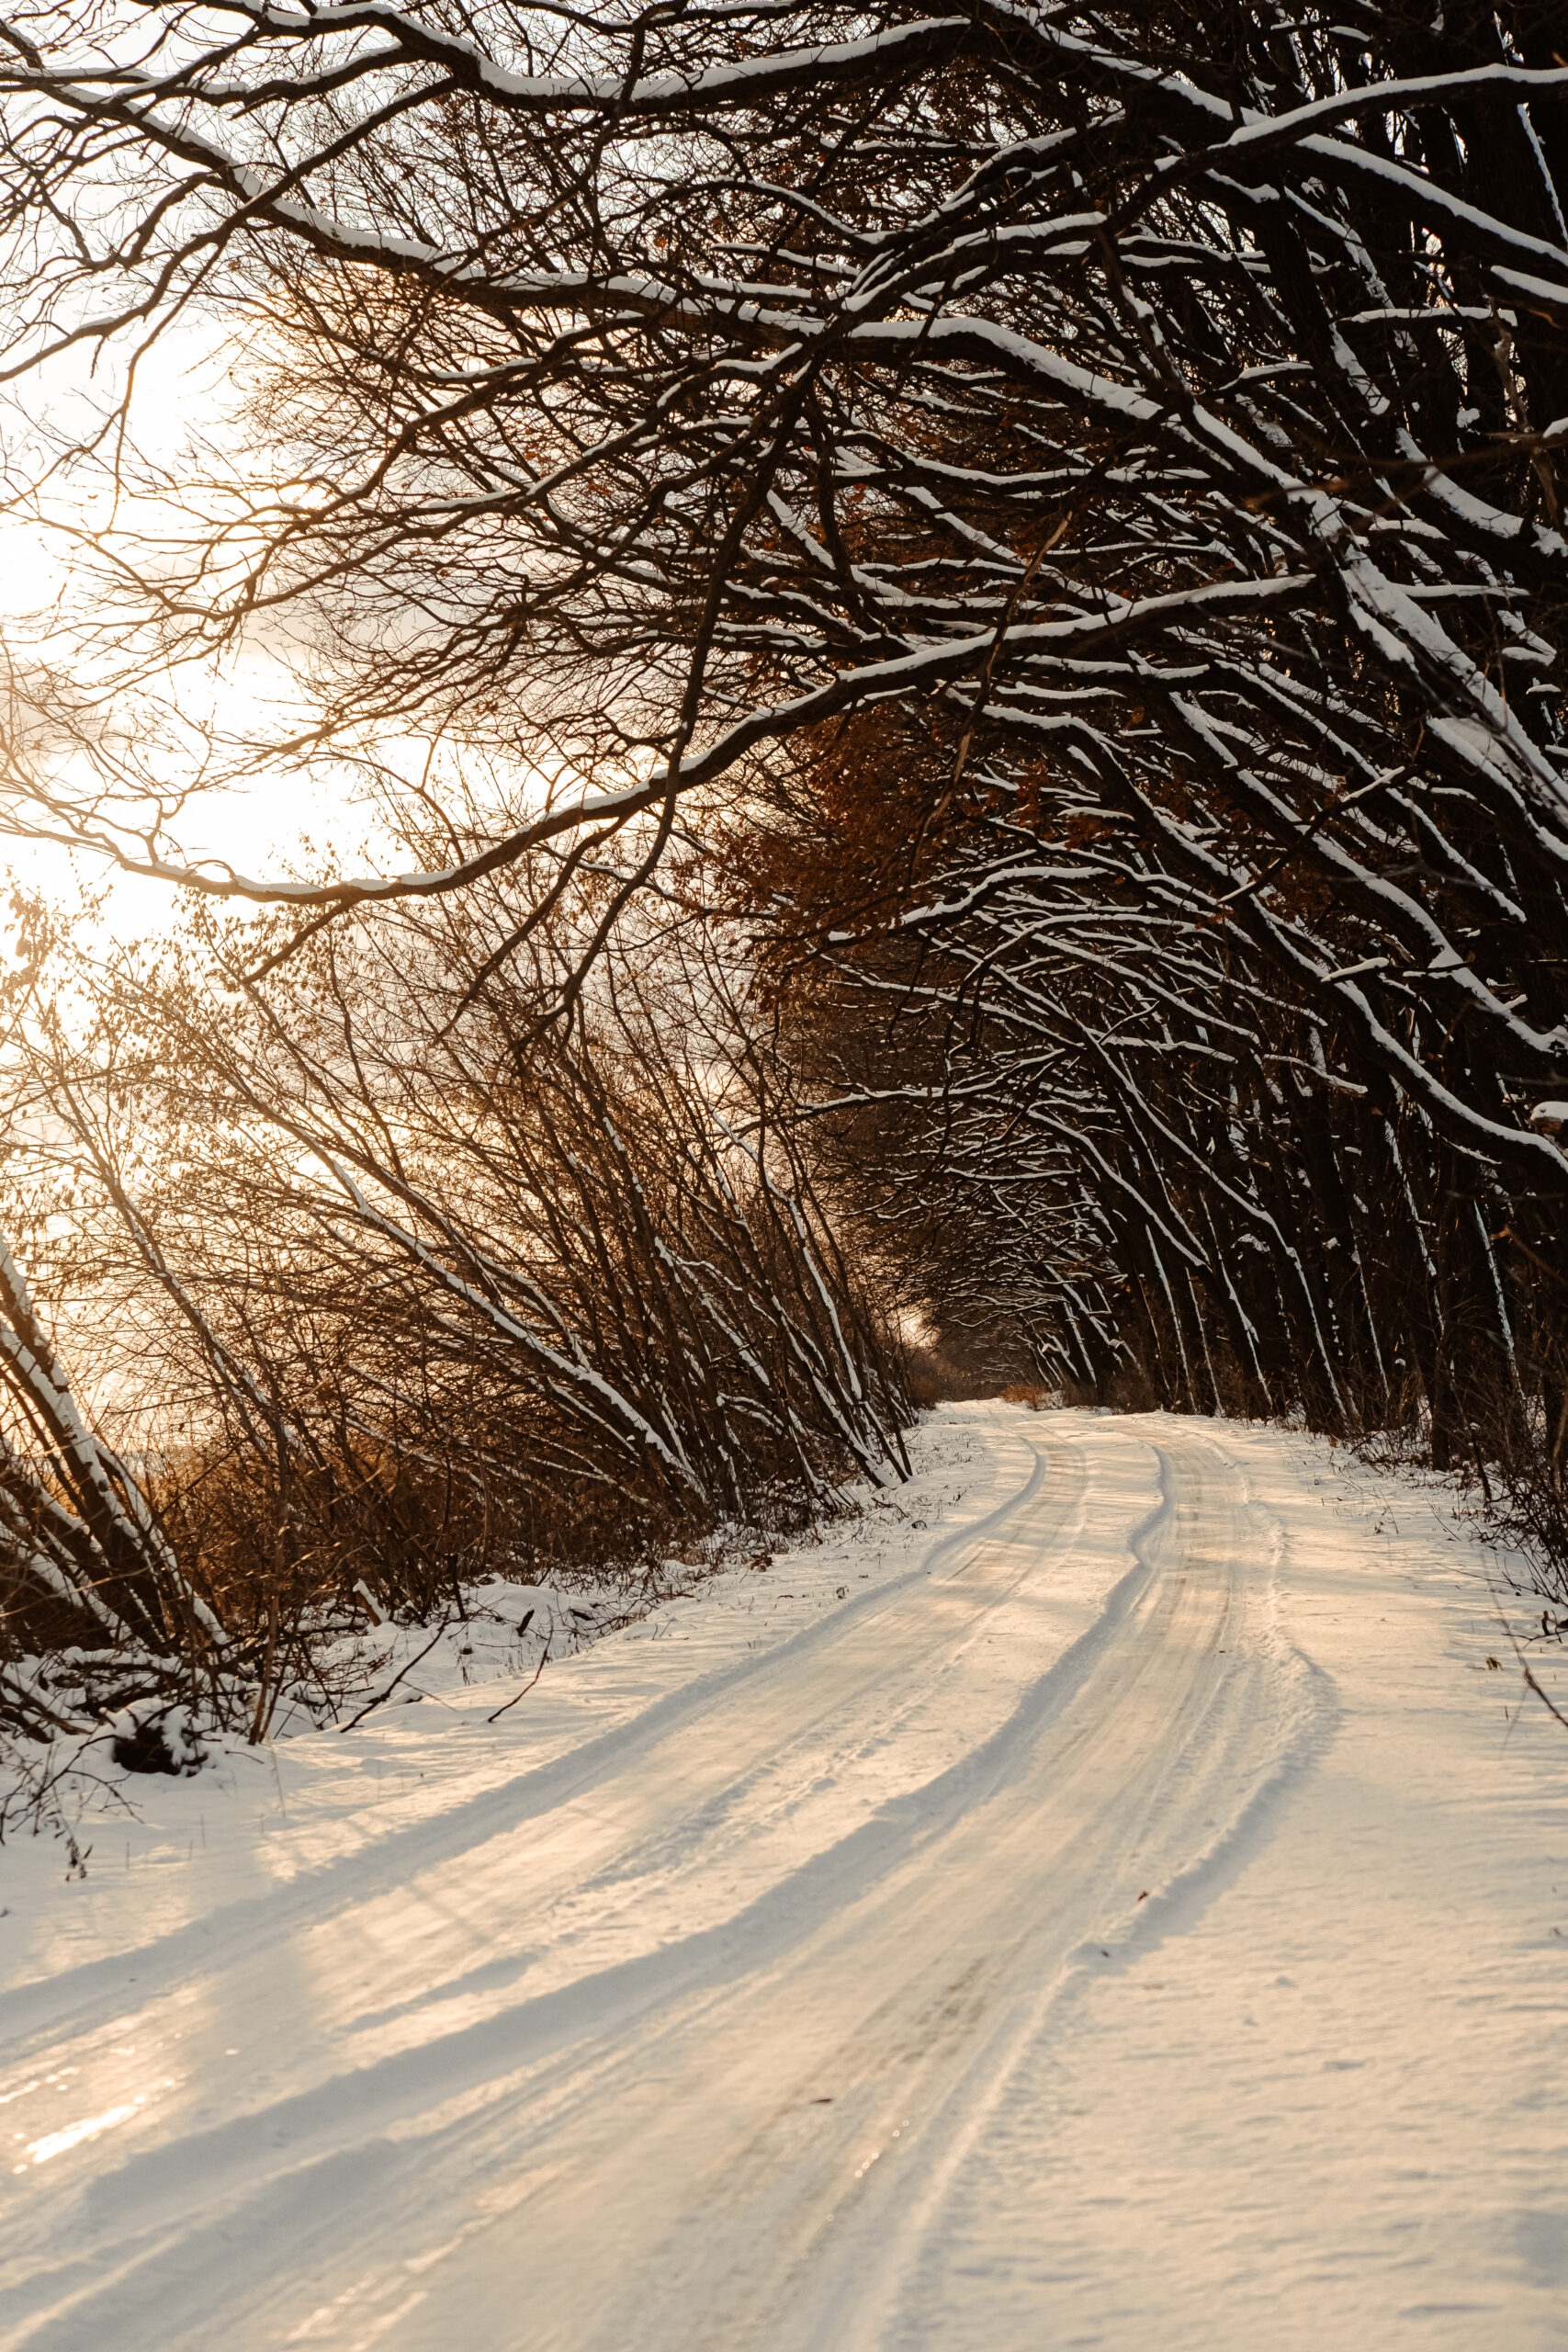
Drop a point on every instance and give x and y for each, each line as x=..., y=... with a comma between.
x=1128, y=1917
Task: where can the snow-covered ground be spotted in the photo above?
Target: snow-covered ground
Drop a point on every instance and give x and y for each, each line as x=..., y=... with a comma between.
x=1105, y=1896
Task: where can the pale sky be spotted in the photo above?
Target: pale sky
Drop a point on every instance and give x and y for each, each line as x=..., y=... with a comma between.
x=181, y=384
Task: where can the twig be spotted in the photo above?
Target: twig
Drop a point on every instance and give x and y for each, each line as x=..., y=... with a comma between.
x=1550, y=1704
x=396, y=1677
x=544, y=1655
x=1530, y=1683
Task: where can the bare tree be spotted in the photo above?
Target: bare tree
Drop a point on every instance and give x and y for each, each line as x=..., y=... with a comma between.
x=658, y=384
x=397, y=1285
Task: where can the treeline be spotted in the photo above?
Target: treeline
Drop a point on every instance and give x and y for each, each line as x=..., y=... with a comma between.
x=403, y=1270
x=1076, y=1094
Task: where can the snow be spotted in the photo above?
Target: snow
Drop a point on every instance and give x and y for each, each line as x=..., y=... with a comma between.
x=1102, y=1895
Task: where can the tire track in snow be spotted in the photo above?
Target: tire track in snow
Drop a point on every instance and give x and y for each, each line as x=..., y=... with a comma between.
x=69, y=2001
x=605, y=1799
x=745, y=2133
x=794, y=2225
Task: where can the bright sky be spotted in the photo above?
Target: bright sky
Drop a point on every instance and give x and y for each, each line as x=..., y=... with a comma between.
x=261, y=832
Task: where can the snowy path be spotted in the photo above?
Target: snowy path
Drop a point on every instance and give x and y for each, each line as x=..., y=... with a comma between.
x=1121, y=1923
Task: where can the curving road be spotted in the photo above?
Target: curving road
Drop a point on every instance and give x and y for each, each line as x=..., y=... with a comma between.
x=757, y=1971
x=756, y=2155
